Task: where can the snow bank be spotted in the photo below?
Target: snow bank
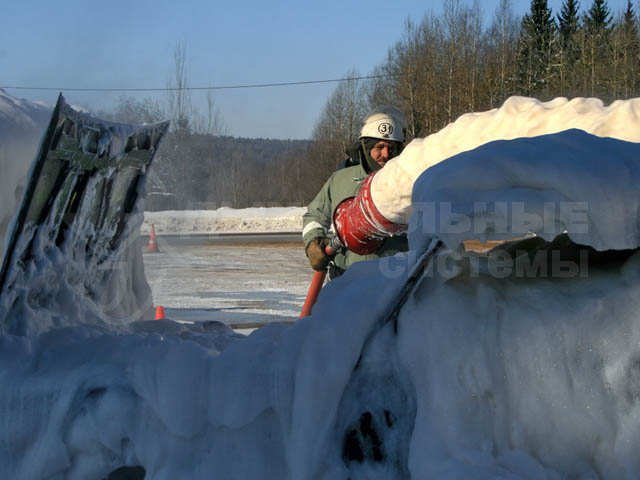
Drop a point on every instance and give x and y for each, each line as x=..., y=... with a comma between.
x=225, y=220
x=517, y=117
x=174, y=404
x=525, y=378
x=567, y=182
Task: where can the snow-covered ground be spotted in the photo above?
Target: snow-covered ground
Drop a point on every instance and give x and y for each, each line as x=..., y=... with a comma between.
x=519, y=364
x=234, y=283
x=225, y=220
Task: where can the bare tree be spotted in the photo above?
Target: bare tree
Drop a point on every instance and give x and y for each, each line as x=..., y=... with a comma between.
x=410, y=74
x=214, y=124
x=342, y=114
x=625, y=54
x=499, y=64
x=179, y=97
x=129, y=110
x=338, y=127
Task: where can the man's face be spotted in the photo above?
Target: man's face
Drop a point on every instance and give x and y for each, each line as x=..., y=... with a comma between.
x=383, y=151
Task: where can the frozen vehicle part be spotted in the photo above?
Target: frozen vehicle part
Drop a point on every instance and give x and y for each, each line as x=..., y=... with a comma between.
x=75, y=222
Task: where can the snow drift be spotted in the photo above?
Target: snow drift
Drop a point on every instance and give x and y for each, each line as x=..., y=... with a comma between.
x=517, y=117
x=439, y=363
x=225, y=220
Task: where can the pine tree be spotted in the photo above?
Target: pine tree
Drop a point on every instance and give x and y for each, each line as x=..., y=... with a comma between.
x=569, y=50
x=598, y=18
x=536, y=50
x=568, y=20
x=630, y=21
x=597, y=57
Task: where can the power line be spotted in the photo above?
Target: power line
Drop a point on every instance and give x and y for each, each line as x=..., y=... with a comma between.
x=222, y=87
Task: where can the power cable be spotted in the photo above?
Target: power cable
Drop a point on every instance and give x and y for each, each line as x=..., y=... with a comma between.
x=222, y=87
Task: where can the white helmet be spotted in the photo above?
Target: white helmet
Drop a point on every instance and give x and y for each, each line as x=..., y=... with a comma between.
x=385, y=123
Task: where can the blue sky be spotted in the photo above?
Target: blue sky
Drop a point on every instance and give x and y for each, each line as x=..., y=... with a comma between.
x=128, y=44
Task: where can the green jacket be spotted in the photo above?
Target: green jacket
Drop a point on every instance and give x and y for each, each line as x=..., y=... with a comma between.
x=318, y=219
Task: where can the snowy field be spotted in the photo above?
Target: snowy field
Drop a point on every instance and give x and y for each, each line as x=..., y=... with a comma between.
x=233, y=283
x=199, y=276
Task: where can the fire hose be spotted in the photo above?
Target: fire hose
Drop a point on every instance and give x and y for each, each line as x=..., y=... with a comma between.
x=333, y=247
x=360, y=227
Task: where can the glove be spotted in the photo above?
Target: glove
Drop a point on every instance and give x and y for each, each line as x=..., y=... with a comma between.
x=316, y=254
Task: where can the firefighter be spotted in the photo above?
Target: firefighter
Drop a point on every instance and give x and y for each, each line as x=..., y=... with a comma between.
x=381, y=138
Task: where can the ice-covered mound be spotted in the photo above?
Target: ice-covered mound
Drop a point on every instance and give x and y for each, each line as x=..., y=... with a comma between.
x=517, y=117
x=78, y=404
x=570, y=182
x=523, y=363
x=477, y=378
x=518, y=376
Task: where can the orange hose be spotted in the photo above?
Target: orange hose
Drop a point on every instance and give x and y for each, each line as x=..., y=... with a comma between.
x=312, y=295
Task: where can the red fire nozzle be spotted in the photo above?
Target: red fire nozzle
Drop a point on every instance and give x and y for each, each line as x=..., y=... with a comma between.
x=359, y=224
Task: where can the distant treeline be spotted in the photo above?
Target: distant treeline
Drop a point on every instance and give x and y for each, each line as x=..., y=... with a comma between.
x=450, y=64
x=202, y=171
x=443, y=66
x=198, y=166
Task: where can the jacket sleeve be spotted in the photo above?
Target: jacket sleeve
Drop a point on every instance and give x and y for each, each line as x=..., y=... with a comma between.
x=317, y=221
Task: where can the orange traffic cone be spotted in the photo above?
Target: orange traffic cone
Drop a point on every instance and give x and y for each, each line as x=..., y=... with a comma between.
x=153, y=246
x=159, y=312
